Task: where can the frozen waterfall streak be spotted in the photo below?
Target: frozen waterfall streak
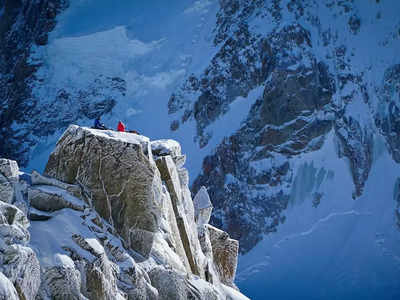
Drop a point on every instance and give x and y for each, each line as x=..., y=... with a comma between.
x=319, y=223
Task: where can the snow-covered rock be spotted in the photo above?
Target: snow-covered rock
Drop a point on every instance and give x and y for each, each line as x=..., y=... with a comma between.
x=22, y=267
x=9, y=173
x=50, y=199
x=166, y=147
x=108, y=222
x=18, y=262
x=225, y=254
x=6, y=189
x=266, y=88
x=9, y=169
x=37, y=179
x=118, y=171
x=202, y=207
x=7, y=290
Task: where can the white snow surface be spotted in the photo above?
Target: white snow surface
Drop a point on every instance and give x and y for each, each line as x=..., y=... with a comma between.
x=126, y=137
x=166, y=146
x=49, y=238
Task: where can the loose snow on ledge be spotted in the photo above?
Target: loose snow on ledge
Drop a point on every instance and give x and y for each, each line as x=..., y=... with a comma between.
x=126, y=137
x=49, y=238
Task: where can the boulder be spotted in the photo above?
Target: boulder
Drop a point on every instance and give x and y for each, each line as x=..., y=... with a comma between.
x=38, y=215
x=13, y=225
x=22, y=268
x=166, y=147
x=9, y=174
x=50, y=199
x=62, y=282
x=7, y=289
x=18, y=262
x=225, y=254
x=202, y=207
x=73, y=189
x=101, y=280
x=118, y=171
x=9, y=169
x=6, y=190
x=170, y=284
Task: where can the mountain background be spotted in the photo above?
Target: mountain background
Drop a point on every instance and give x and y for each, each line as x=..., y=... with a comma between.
x=289, y=112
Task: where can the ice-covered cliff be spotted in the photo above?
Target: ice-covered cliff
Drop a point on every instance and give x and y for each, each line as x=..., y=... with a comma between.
x=112, y=218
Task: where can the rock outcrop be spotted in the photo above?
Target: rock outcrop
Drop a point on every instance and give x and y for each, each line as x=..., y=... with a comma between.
x=18, y=262
x=112, y=218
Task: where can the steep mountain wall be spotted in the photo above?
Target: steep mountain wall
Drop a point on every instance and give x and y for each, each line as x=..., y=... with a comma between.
x=288, y=109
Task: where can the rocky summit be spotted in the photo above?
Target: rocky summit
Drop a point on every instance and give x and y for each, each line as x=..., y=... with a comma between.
x=112, y=217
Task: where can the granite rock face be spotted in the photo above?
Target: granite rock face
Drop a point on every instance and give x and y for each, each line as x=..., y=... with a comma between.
x=123, y=181
x=19, y=263
x=110, y=220
x=297, y=72
x=388, y=114
x=225, y=254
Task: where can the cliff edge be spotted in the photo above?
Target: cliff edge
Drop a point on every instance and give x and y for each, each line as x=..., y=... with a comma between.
x=111, y=218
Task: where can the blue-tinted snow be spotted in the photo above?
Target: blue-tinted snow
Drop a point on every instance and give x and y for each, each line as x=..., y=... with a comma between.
x=344, y=249
x=153, y=46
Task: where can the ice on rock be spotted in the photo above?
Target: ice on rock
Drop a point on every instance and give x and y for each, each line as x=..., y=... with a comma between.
x=202, y=206
x=7, y=290
x=9, y=174
x=9, y=168
x=111, y=226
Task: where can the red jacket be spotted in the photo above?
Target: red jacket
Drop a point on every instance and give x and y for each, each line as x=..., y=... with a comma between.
x=121, y=126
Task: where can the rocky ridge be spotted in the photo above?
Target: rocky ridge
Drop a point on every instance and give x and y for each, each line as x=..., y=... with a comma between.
x=320, y=72
x=111, y=218
x=311, y=87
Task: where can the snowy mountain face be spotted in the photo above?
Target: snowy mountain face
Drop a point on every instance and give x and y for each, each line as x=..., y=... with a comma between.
x=289, y=110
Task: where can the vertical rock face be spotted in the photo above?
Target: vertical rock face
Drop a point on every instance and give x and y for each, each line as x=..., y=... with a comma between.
x=110, y=222
x=123, y=181
x=388, y=115
x=169, y=175
x=307, y=85
x=18, y=261
x=225, y=252
x=7, y=290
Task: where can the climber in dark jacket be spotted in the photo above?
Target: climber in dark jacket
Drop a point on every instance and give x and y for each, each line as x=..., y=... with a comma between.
x=99, y=125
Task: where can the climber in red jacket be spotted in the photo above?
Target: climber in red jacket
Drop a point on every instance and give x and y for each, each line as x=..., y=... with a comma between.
x=121, y=126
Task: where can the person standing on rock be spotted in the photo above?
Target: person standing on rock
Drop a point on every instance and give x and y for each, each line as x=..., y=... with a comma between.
x=121, y=126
